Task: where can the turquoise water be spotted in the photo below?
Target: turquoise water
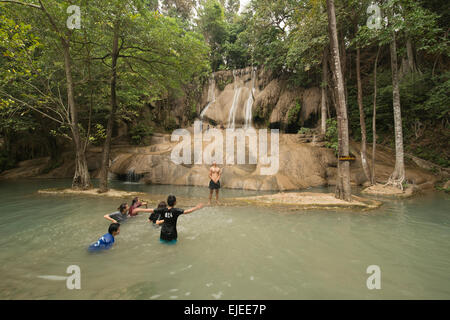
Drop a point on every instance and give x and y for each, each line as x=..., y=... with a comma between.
x=222, y=252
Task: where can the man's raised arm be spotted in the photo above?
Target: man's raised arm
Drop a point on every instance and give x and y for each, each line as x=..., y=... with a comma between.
x=197, y=207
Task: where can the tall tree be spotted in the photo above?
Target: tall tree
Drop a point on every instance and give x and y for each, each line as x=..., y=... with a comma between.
x=148, y=47
x=343, y=189
x=231, y=9
x=212, y=24
x=104, y=169
x=362, y=117
x=323, y=108
x=374, y=116
x=50, y=13
x=181, y=9
x=398, y=176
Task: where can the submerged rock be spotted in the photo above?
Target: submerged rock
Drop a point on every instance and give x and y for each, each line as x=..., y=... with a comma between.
x=386, y=190
x=92, y=192
x=309, y=200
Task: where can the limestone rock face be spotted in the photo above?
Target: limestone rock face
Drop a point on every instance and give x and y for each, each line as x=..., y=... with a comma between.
x=267, y=100
x=301, y=165
x=310, y=103
x=287, y=100
x=226, y=96
x=26, y=169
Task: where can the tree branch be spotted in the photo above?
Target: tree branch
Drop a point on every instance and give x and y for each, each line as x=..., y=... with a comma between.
x=22, y=3
x=31, y=107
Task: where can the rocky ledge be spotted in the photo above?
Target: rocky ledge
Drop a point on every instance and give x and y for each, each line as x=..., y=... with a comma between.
x=309, y=200
x=303, y=162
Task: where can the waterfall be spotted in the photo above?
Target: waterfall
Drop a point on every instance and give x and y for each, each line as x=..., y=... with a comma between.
x=131, y=177
x=249, y=104
x=232, y=115
x=211, y=95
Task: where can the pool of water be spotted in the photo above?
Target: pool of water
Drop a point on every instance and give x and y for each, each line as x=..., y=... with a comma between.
x=223, y=252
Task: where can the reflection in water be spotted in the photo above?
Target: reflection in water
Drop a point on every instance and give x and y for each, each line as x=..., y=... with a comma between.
x=222, y=252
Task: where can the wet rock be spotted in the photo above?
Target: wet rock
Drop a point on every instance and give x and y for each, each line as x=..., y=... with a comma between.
x=26, y=169
x=300, y=166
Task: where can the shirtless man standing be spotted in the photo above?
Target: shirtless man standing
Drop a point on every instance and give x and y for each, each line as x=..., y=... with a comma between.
x=214, y=184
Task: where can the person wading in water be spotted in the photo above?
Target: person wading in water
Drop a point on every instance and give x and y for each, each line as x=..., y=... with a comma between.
x=135, y=207
x=168, y=219
x=214, y=183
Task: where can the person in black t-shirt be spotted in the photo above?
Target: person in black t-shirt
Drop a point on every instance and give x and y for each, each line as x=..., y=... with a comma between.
x=169, y=217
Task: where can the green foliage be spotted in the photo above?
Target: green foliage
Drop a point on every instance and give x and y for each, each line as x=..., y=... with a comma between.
x=307, y=40
x=17, y=44
x=6, y=162
x=231, y=9
x=424, y=102
x=331, y=135
x=212, y=24
x=53, y=165
x=180, y=9
x=223, y=82
x=99, y=135
x=170, y=124
x=159, y=55
x=164, y=56
x=139, y=133
x=303, y=130
x=237, y=53
x=441, y=188
x=446, y=190
x=438, y=98
x=431, y=153
x=294, y=113
x=193, y=111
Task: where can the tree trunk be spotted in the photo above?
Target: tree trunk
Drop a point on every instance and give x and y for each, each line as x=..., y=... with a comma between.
x=324, y=92
x=343, y=189
x=410, y=55
x=362, y=117
x=103, y=186
x=343, y=59
x=374, y=117
x=398, y=176
x=408, y=64
x=81, y=178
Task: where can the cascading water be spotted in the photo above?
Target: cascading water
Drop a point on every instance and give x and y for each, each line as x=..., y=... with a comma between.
x=249, y=104
x=131, y=177
x=211, y=95
x=232, y=114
